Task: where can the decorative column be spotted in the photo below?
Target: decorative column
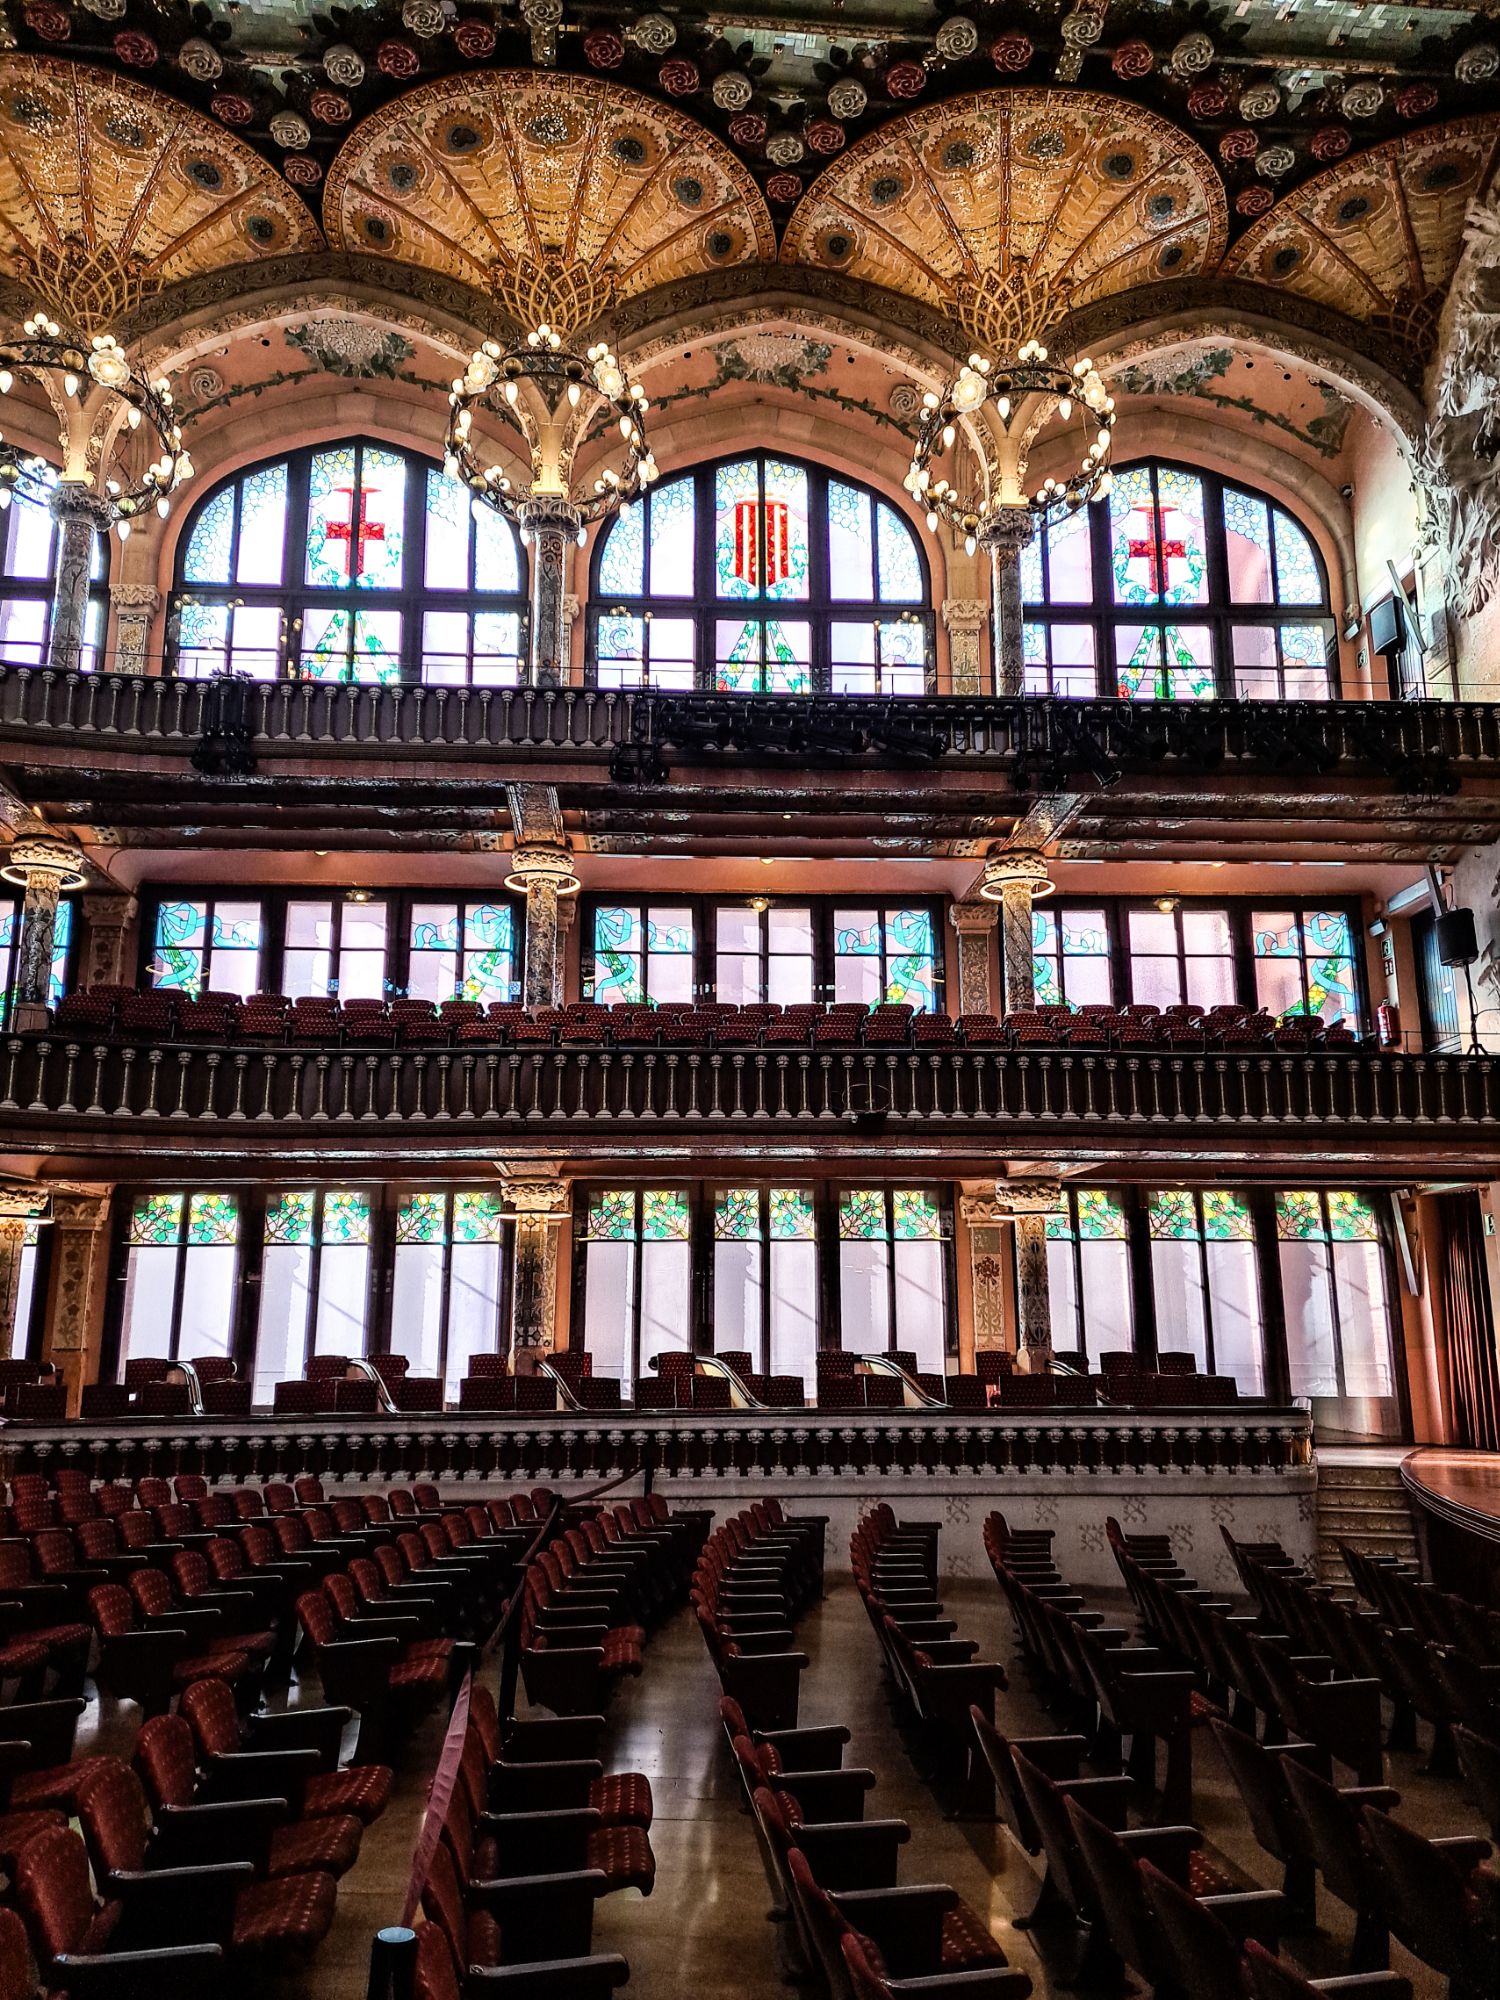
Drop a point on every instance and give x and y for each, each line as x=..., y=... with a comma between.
x=44, y=864
x=550, y=524
x=1015, y=878
x=135, y=607
x=80, y=514
x=542, y=872
x=985, y=1221
x=542, y=1204
x=107, y=920
x=975, y=924
x=1028, y=1204
x=75, y=1294
x=20, y=1207
x=1006, y=534
x=963, y=617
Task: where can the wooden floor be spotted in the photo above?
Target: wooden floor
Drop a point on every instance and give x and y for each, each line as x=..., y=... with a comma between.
x=705, y=1931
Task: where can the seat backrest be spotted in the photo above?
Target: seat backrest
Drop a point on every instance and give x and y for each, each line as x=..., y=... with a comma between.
x=1115, y=1879
x=17, y=1981
x=165, y=1761
x=112, y=1813
x=52, y=1887
x=436, y=1972
x=209, y=1708
x=1430, y=1905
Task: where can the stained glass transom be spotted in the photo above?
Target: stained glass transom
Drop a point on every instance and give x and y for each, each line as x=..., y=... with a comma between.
x=353, y=561
x=156, y=1218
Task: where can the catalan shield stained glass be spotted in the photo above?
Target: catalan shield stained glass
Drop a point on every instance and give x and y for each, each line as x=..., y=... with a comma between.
x=477, y=1216
x=737, y=529
x=422, y=1217
x=783, y=531
x=290, y=1216
x=862, y=1216
x=156, y=1219
x=213, y=1219
x=737, y=1215
x=664, y=1215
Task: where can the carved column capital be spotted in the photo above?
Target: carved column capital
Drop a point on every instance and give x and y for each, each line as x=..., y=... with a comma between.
x=1039, y=1195
x=135, y=596
x=964, y=614
x=19, y=1203
x=971, y=918
x=543, y=1196
x=81, y=1208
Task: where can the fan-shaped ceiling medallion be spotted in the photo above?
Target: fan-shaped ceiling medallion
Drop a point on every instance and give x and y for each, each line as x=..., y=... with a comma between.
x=1378, y=236
x=109, y=188
x=1065, y=195
x=494, y=178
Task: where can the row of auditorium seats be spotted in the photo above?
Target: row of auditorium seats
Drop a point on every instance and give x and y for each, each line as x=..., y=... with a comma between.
x=160, y=1013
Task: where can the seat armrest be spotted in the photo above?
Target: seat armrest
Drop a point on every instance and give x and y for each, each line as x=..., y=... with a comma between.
x=1251, y=1913
x=551, y=1979
x=1000, y=1982
x=906, y=1923
x=318, y=1729
x=812, y=1749
x=203, y=1835
x=828, y=1795
x=854, y=1854
x=553, y=1738
x=179, y=1905
x=134, y=1975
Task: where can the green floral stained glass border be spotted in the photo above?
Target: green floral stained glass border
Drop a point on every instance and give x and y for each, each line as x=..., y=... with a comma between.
x=664, y=1215
x=213, y=1219
x=156, y=1219
x=737, y=1216
x=289, y=1216
x=1226, y=1216
x=346, y=1216
x=423, y=1218
x=1173, y=1215
x=1299, y=1217
x=1100, y=1216
x=792, y=1219
x=1351, y=1217
x=477, y=1216
x=916, y=1215
x=862, y=1215
x=611, y=1216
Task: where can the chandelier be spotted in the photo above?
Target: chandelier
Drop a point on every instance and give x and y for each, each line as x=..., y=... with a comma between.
x=497, y=379
x=1013, y=375
x=66, y=345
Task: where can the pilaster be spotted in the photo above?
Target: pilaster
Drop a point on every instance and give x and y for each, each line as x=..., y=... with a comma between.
x=975, y=924
x=963, y=618
x=135, y=606
x=107, y=921
x=541, y=1202
x=76, y=1290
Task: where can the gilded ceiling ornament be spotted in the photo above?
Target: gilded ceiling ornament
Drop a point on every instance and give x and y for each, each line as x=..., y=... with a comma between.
x=783, y=188
x=847, y=99
x=89, y=287
x=824, y=135
x=290, y=129
x=1133, y=60
x=1083, y=27
x=1330, y=142
x=1362, y=100
x=105, y=10
x=423, y=18
x=1012, y=52
x=344, y=66
x=653, y=34
x=732, y=90
x=474, y=40
x=1478, y=63
x=199, y=59
x=1192, y=55
x=135, y=50
x=905, y=402
x=784, y=149
x=544, y=18
x=958, y=38
x=552, y=290
x=1260, y=100
x=1416, y=100
x=1275, y=161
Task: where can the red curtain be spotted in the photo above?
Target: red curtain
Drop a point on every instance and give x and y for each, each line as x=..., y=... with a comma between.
x=1474, y=1367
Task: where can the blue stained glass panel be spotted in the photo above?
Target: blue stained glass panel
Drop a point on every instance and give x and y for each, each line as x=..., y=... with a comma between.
x=737, y=526
x=1158, y=553
x=330, y=508
x=489, y=953
x=181, y=930
x=673, y=531
x=617, y=957
x=449, y=525
x=209, y=544
x=1297, y=578
x=262, y=543
x=784, y=550
x=910, y=960
x=851, y=553
x=622, y=561
x=434, y=927
x=900, y=564
x=1033, y=588
x=497, y=553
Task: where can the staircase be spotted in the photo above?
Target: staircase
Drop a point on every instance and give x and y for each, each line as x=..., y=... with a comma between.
x=1363, y=1504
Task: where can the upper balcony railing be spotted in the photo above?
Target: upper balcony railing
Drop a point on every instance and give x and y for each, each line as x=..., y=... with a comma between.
x=1426, y=746
x=1303, y=1107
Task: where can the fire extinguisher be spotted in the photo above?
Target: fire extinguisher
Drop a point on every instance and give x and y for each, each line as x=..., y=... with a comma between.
x=1388, y=1024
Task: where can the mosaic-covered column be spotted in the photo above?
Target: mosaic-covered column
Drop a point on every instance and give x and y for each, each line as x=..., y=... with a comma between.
x=542, y=873
x=1005, y=537
x=43, y=864
x=135, y=606
x=541, y=1206
x=76, y=1289
x=1015, y=878
x=975, y=924
x=20, y=1209
x=1028, y=1204
x=963, y=618
x=550, y=524
x=80, y=515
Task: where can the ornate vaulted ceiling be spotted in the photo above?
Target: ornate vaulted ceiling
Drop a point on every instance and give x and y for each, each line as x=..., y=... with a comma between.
x=1094, y=193
x=516, y=166
x=90, y=163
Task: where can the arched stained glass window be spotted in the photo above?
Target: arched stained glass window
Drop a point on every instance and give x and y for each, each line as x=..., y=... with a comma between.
x=1180, y=586
x=349, y=562
x=28, y=556
x=761, y=576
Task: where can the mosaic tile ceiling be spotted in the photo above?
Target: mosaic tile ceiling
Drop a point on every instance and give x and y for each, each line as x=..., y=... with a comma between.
x=89, y=161
x=466, y=173
x=1091, y=191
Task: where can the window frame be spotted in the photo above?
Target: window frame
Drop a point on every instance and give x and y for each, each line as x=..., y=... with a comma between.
x=397, y=1193
x=1201, y=1242
x=820, y=609
x=1377, y=1198
x=293, y=597
x=33, y=589
x=1219, y=612
x=116, y=1352
x=274, y=901
x=705, y=949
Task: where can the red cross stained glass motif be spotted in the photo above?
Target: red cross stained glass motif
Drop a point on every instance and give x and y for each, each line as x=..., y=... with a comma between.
x=762, y=542
x=1156, y=548
x=356, y=529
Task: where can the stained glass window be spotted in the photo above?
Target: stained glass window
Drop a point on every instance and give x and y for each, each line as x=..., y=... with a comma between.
x=28, y=557
x=756, y=534
x=885, y=955
x=181, y=1276
x=1206, y=1284
x=892, y=1274
x=1070, y=957
x=1088, y=1274
x=765, y=1279
x=461, y=951
x=449, y=1282
x=10, y=945
x=208, y=944
x=397, y=580
x=315, y=1282
x=1338, y=1306
x=1304, y=964
x=641, y=954
x=636, y=1278
x=1185, y=581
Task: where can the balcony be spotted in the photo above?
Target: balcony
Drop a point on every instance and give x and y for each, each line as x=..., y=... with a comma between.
x=82, y=1098
x=1300, y=773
